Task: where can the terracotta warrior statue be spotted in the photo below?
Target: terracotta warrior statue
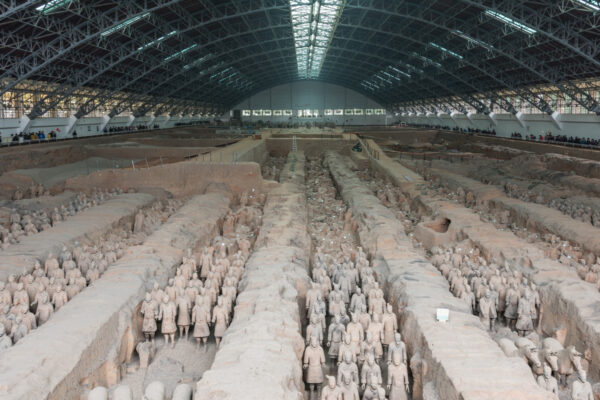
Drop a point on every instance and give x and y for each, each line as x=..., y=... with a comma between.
x=397, y=346
x=397, y=381
x=150, y=311
x=183, y=315
x=581, y=388
x=44, y=309
x=331, y=391
x=487, y=310
x=220, y=318
x=313, y=363
x=5, y=340
x=524, y=323
x=547, y=381
x=167, y=313
x=201, y=319
x=138, y=224
x=349, y=388
x=348, y=366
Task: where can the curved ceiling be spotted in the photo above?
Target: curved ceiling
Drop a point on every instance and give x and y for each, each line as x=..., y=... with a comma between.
x=215, y=53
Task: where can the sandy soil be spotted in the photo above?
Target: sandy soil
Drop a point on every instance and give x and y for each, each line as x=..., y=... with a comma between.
x=55, y=175
x=185, y=355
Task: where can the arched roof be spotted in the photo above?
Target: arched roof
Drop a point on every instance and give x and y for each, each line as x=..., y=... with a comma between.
x=214, y=53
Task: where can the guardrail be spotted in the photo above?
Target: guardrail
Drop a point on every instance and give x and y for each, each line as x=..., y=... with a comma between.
x=53, y=140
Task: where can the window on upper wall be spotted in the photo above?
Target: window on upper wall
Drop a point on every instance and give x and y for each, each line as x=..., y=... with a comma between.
x=349, y=111
x=307, y=113
x=288, y=113
x=328, y=112
x=315, y=113
x=246, y=113
x=257, y=113
x=369, y=111
x=277, y=113
x=338, y=111
x=266, y=113
x=300, y=113
x=358, y=111
x=379, y=111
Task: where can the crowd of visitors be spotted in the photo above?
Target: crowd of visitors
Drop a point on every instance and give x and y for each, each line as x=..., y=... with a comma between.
x=117, y=129
x=549, y=137
x=457, y=129
x=32, y=136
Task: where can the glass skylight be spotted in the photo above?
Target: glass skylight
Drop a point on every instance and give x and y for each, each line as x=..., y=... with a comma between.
x=157, y=41
x=181, y=52
x=426, y=61
x=511, y=22
x=445, y=50
x=591, y=4
x=410, y=68
x=197, y=62
x=52, y=5
x=473, y=40
x=124, y=24
x=387, y=77
x=313, y=23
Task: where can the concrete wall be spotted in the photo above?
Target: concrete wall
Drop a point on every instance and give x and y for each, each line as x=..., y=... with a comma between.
x=582, y=125
x=312, y=95
x=85, y=126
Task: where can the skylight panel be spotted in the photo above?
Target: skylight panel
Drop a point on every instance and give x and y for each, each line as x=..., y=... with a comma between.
x=473, y=40
x=124, y=24
x=157, y=41
x=427, y=61
x=411, y=68
x=52, y=5
x=400, y=72
x=591, y=4
x=445, y=50
x=181, y=52
x=313, y=25
x=197, y=62
x=511, y=22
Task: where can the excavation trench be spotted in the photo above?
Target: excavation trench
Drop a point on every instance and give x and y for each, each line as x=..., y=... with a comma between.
x=88, y=225
x=261, y=351
x=453, y=360
x=208, y=275
x=94, y=335
x=571, y=314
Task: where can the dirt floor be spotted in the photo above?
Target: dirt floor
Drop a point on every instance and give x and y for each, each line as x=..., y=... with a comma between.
x=421, y=221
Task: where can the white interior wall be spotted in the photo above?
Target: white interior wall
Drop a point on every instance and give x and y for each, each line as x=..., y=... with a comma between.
x=85, y=126
x=581, y=125
x=312, y=95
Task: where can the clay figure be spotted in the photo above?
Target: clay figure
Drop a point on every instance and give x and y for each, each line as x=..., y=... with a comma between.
x=183, y=315
x=138, y=224
x=581, y=388
x=331, y=391
x=397, y=346
x=334, y=336
x=167, y=313
x=145, y=352
x=5, y=340
x=149, y=310
x=524, y=323
x=547, y=381
x=397, y=381
x=220, y=319
x=313, y=363
x=348, y=366
x=349, y=388
x=201, y=319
